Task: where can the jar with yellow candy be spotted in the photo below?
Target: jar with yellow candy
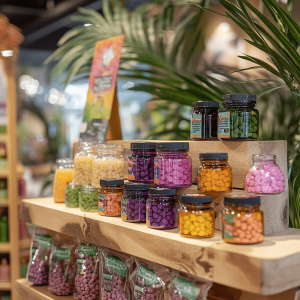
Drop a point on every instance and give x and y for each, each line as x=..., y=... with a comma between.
x=196, y=216
x=214, y=174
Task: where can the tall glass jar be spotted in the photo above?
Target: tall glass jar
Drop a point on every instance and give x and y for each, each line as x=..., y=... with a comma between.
x=196, y=216
x=88, y=198
x=172, y=165
x=242, y=219
x=204, y=122
x=63, y=174
x=107, y=163
x=162, y=208
x=72, y=195
x=83, y=163
x=134, y=202
x=214, y=174
x=141, y=162
x=239, y=119
x=110, y=197
x=264, y=177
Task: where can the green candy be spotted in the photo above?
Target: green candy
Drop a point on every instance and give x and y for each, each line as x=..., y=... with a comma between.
x=72, y=197
x=88, y=201
x=244, y=124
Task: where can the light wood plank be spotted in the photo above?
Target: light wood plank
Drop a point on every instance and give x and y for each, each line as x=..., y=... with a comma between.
x=3, y=138
x=5, y=286
x=4, y=247
x=25, y=244
x=4, y=202
x=267, y=268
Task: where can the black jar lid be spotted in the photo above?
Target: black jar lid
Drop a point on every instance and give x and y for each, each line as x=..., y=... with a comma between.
x=111, y=182
x=195, y=199
x=162, y=192
x=240, y=98
x=143, y=146
x=174, y=146
x=236, y=199
x=213, y=156
x=131, y=186
x=205, y=104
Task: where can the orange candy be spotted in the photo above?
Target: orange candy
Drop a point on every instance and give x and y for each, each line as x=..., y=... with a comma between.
x=110, y=204
x=61, y=178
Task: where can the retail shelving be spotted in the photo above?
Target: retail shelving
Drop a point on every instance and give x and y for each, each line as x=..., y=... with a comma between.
x=5, y=286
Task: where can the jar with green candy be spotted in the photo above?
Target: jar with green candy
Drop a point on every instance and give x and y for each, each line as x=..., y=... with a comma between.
x=88, y=198
x=239, y=119
x=72, y=195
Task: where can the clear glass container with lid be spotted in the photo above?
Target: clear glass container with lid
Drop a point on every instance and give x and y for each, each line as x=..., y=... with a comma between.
x=264, y=177
x=196, y=216
x=134, y=202
x=110, y=197
x=242, y=219
x=63, y=174
x=162, y=208
x=88, y=198
x=204, y=121
x=108, y=163
x=72, y=195
x=239, y=119
x=172, y=165
x=141, y=162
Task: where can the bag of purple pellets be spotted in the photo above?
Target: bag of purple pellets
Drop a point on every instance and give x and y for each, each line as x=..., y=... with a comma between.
x=62, y=268
x=188, y=287
x=87, y=274
x=149, y=281
x=38, y=267
x=114, y=275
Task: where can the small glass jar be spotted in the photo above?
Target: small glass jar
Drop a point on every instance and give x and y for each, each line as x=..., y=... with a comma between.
x=204, y=121
x=63, y=174
x=88, y=198
x=134, y=202
x=196, y=216
x=172, y=165
x=83, y=163
x=72, y=195
x=110, y=197
x=242, y=219
x=141, y=162
x=238, y=119
x=107, y=163
x=214, y=174
x=162, y=208
x=264, y=177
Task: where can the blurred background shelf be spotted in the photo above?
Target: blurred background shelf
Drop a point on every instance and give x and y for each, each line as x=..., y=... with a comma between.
x=25, y=244
x=3, y=138
x=5, y=286
x=4, y=247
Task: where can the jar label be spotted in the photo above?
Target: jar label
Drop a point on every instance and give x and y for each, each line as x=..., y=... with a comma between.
x=196, y=126
x=224, y=125
x=187, y=289
x=131, y=168
x=101, y=199
x=156, y=171
x=228, y=228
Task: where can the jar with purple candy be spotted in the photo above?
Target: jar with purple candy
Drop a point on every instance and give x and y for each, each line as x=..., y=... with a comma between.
x=134, y=202
x=172, y=165
x=162, y=209
x=141, y=162
x=264, y=177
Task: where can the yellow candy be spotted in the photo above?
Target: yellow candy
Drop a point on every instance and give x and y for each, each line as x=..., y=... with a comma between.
x=196, y=223
x=197, y=229
x=192, y=227
x=185, y=217
x=201, y=219
x=193, y=217
x=193, y=233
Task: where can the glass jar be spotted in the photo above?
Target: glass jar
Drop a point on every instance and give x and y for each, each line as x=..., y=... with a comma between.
x=204, y=121
x=141, y=162
x=72, y=195
x=238, y=119
x=172, y=165
x=83, y=163
x=134, y=202
x=107, y=163
x=88, y=198
x=110, y=197
x=214, y=174
x=162, y=209
x=242, y=219
x=196, y=216
x=63, y=174
x=264, y=177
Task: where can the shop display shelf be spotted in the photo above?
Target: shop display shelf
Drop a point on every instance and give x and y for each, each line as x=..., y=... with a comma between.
x=5, y=286
x=4, y=202
x=4, y=247
x=26, y=292
x=25, y=244
x=267, y=268
x=3, y=138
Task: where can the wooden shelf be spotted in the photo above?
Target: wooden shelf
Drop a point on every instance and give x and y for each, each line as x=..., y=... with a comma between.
x=5, y=286
x=25, y=244
x=3, y=138
x=26, y=292
x=4, y=173
x=4, y=247
x=267, y=268
x=4, y=202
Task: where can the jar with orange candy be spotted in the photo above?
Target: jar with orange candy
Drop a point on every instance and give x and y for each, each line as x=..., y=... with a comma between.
x=214, y=174
x=63, y=174
x=109, y=197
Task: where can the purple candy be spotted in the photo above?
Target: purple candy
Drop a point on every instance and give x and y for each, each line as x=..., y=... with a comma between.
x=60, y=282
x=38, y=272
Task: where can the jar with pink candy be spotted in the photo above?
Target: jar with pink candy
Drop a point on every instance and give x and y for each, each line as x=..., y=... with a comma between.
x=265, y=177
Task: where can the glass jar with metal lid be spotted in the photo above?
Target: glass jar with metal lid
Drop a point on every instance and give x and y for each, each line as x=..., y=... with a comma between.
x=72, y=195
x=88, y=198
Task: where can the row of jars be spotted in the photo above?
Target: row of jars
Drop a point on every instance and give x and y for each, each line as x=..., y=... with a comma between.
x=238, y=119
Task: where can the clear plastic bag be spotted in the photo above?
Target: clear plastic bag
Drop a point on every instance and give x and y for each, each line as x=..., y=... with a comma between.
x=149, y=281
x=114, y=275
x=38, y=267
x=87, y=275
